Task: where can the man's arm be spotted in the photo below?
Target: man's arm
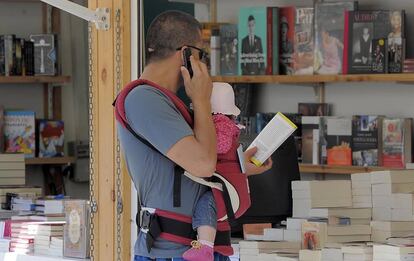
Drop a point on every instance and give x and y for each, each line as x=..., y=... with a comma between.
x=197, y=154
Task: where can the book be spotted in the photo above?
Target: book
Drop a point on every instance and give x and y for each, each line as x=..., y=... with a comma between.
x=45, y=54
x=272, y=67
x=273, y=234
x=18, y=66
x=396, y=54
x=310, y=139
x=361, y=28
x=366, y=140
x=229, y=49
x=252, y=40
x=287, y=39
x=329, y=36
x=339, y=139
x=379, y=57
x=353, y=213
x=271, y=137
x=9, y=54
x=51, y=138
x=28, y=58
x=314, y=109
x=1, y=121
x=303, y=48
x=215, y=52
x=19, y=131
x=296, y=118
x=388, y=189
x=396, y=142
x=250, y=230
x=401, y=241
x=2, y=57
x=310, y=255
x=313, y=235
x=76, y=235
x=269, y=245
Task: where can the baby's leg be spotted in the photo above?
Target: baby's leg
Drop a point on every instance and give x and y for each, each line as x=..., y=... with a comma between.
x=205, y=219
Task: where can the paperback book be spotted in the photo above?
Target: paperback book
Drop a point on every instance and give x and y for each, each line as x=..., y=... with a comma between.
x=252, y=39
x=229, y=49
x=51, y=138
x=303, y=49
x=396, y=142
x=379, y=56
x=329, y=36
x=19, y=131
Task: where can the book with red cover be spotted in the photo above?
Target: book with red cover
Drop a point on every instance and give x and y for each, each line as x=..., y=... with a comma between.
x=396, y=142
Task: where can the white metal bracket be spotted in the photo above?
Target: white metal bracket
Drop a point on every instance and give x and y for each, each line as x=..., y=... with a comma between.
x=101, y=16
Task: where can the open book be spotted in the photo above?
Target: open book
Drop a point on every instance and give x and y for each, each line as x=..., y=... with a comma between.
x=271, y=137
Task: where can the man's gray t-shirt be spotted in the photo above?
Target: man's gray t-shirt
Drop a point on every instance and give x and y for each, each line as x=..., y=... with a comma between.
x=153, y=116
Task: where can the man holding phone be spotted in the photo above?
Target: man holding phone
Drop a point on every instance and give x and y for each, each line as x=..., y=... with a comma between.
x=173, y=44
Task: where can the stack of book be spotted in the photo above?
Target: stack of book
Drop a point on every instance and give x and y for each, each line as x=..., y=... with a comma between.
x=320, y=194
x=408, y=66
x=19, y=191
x=24, y=206
x=332, y=253
x=267, y=250
x=49, y=206
x=12, y=169
x=4, y=244
x=389, y=252
x=22, y=240
x=392, y=195
x=293, y=232
x=360, y=252
x=310, y=255
x=342, y=216
x=361, y=190
x=382, y=230
x=44, y=233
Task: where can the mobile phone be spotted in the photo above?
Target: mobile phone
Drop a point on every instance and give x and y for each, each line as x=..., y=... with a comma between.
x=187, y=62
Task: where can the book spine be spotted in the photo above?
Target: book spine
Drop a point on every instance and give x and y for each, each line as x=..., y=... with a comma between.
x=29, y=58
x=346, y=44
x=215, y=54
x=18, y=57
x=2, y=56
x=269, y=67
x=276, y=32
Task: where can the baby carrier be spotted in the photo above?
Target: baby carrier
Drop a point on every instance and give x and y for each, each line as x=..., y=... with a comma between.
x=229, y=186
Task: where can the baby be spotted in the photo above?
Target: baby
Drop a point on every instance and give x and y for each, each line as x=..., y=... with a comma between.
x=227, y=131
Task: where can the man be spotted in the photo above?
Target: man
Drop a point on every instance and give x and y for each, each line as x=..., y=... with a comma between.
x=154, y=117
x=252, y=59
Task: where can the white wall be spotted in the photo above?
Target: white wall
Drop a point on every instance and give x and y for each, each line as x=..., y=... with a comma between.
x=23, y=19
x=389, y=99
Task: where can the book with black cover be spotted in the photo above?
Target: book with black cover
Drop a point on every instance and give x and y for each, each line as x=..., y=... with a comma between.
x=396, y=54
x=329, y=36
x=367, y=140
x=379, y=56
x=229, y=49
x=361, y=27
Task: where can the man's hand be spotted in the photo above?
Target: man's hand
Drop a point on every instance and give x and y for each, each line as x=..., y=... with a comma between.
x=252, y=169
x=199, y=87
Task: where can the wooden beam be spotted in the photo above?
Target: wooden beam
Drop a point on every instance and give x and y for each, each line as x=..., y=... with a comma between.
x=104, y=142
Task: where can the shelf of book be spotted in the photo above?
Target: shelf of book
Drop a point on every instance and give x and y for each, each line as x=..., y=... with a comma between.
x=325, y=169
x=34, y=79
x=400, y=77
x=50, y=161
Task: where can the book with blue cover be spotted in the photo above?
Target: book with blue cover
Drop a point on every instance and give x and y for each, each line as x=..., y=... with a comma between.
x=19, y=132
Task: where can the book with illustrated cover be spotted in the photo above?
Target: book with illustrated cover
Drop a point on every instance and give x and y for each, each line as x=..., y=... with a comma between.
x=297, y=120
x=314, y=109
x=76, y=229
x=329, y=36
x=19, y=132
x=50, y=138
x=361, y=27
x=313, y=235
x=366, y=140
x=379, y=56
x=303, y=49
x=18, y=46
x=339, y=140
x=45, y=54
x=287, y=39
x=310, y=139
x=396, y=54
x=9, y=54
x=396, y=142
x=229, y=49
x=253, y=40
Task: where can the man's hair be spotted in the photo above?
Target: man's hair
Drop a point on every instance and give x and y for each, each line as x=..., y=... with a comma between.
x=251, y=18
x=168, y=31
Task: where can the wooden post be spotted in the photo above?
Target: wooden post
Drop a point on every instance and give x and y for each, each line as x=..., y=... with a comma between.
x=104, y=143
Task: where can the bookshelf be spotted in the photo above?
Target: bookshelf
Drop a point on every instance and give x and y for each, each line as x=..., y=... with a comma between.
x=51, y=161
x=34, y=79
x=400, y=78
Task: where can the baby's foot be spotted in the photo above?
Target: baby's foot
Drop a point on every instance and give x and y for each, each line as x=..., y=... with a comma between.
x=199, y=252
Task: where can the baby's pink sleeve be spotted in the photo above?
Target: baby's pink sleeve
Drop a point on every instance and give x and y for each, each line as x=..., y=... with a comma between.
x=224, y=133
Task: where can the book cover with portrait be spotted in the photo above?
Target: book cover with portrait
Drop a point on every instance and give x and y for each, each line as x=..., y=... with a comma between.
x=361, y=27
x=379, y=56
x=50, y=138
x=252, y=40
x=329, y=36
x=229, y=55
x=287, y=39
x=396, y=54
x=303, y=47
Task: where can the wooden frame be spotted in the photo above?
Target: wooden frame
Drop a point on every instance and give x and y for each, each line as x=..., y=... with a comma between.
x=104, y=143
